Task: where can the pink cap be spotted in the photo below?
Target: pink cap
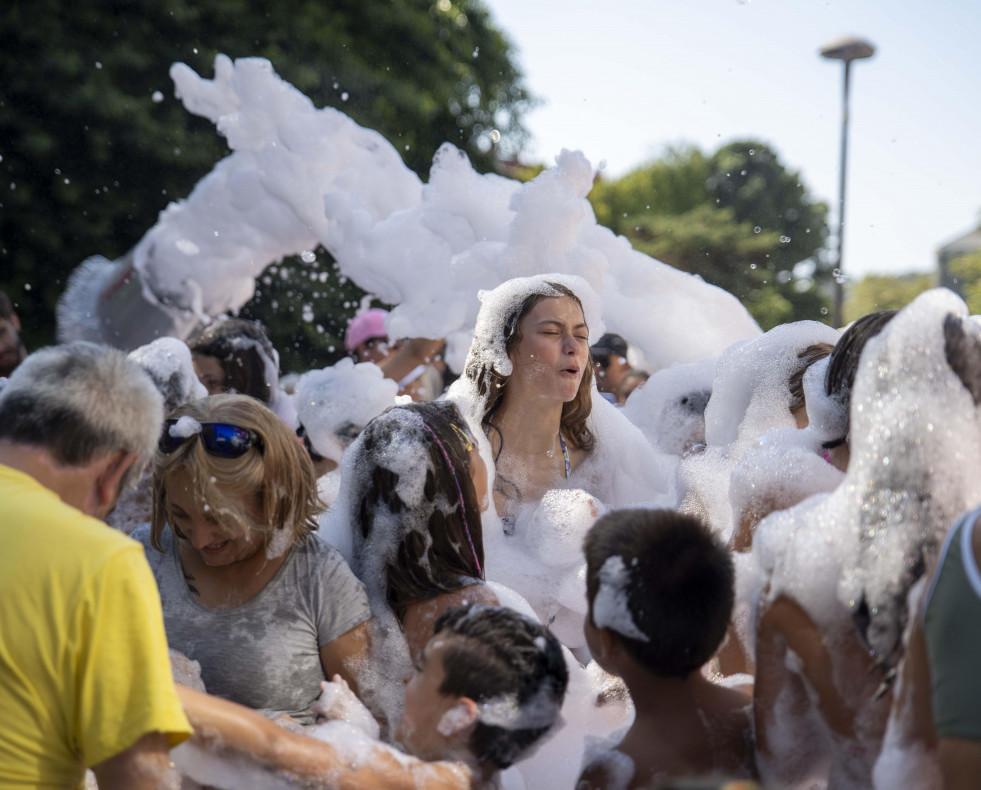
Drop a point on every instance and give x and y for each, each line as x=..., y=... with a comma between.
x=364, y=327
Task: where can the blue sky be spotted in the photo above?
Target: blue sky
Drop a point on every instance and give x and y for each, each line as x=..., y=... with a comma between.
x=621, y=80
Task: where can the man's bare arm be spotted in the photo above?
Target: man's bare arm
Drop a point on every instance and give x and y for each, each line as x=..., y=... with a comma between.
x=221, y=726
x=143, y=766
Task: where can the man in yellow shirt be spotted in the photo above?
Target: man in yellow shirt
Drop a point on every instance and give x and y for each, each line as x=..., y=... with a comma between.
x=84, y=673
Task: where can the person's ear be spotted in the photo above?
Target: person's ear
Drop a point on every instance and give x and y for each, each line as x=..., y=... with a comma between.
x=458, y=720
x=610, y=650
x=15, y=321
x=105, y=489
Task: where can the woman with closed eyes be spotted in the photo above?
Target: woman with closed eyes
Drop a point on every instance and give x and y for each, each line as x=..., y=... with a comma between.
x=558, y=455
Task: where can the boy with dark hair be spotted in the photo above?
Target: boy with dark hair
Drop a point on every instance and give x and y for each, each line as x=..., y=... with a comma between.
x=488, y=686
x=499, y=682
x=660, y=590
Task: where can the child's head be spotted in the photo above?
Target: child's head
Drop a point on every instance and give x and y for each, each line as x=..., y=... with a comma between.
x=490, y=682
x=664, y=583
x=234, y=355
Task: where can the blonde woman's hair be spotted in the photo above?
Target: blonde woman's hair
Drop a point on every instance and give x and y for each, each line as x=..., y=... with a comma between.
x=279, y=473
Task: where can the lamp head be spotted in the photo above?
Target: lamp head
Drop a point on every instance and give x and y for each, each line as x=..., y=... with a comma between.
x=848, y=48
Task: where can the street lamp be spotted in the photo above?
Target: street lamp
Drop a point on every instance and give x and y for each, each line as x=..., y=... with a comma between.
x=844, y=49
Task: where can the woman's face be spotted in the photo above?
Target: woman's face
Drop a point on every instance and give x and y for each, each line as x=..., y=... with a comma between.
x=551, y=357
x=194, y=525
x=210, y=373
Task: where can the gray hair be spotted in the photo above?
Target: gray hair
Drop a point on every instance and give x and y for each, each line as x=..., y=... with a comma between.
x=80, y=401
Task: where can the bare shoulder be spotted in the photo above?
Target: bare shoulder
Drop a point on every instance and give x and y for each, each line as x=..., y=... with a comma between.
x=420, y=617
x=788, y=618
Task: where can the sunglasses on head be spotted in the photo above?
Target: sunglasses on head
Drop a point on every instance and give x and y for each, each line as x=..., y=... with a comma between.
x=218, y=438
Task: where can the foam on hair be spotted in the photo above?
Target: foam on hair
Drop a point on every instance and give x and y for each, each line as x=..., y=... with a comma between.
x=677, y=580
x=279, y=477
x=513, y=668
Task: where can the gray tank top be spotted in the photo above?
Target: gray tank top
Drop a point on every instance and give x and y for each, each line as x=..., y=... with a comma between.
x=264, y=654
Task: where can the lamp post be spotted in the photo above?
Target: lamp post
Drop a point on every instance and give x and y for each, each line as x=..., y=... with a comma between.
x=844, y=49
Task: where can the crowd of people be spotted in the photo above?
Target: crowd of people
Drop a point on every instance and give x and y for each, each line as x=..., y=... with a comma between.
x=560, y=569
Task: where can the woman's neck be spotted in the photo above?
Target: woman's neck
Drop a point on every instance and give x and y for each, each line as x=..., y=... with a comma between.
x=532, y=428
x=229, y=586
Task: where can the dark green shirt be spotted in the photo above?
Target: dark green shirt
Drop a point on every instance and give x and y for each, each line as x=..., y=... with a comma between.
x=952, y=628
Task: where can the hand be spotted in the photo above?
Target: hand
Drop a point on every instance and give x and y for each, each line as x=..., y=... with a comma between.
x=338, y=702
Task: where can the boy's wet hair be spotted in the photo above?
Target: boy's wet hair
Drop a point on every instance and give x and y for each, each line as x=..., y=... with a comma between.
x=680, y=588
x=503, y=657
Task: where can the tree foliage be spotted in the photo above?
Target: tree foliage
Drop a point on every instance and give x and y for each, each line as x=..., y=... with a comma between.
x=738, y=218
x=94, y=145
x=966, y=273
x=884, y=292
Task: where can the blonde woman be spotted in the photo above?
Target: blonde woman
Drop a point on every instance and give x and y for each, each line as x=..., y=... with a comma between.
x=268, y=610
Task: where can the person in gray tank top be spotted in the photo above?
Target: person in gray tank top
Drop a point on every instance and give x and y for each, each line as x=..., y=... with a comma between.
x=266, y=609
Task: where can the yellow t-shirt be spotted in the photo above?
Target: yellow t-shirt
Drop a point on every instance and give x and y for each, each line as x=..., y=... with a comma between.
x=84, y=670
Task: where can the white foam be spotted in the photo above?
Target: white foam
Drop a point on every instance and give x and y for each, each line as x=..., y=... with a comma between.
x=750, y=397
x=611, y=606
x=168, y=362
x=670, y=408
x=185, y=427
x=338, y=703
x=335, y=403
x=280, y=541
x=915, y=465
x=299, y=176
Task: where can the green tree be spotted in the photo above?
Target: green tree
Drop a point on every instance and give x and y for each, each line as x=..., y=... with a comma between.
x=94, y=145
x=884, y=292
x=966, y=272
x=738, y=218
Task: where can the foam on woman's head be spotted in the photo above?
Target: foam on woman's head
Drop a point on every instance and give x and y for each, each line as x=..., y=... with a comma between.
x=751, y=394
x=500, y=306
x=915, y=456
x=915, y=465
x=411, y=505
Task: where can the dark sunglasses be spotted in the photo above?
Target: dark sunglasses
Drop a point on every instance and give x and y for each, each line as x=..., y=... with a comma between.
x=218, y=438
